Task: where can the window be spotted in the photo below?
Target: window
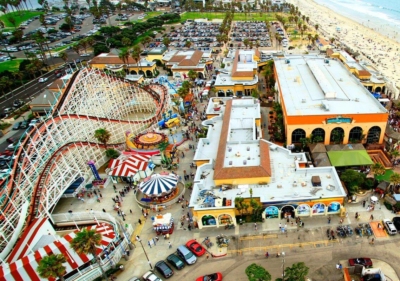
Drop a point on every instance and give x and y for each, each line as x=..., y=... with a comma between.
x=298, y=134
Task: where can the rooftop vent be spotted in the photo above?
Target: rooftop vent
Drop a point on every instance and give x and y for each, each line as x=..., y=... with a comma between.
x=230, y=162
x=357, y=99
x=287, y=61
x=325, y=105
x=326, y=61
x=244, y=162
x=340, y=79
x=303, y=100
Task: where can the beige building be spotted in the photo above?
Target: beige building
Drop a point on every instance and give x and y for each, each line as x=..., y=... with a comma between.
x=181, y=62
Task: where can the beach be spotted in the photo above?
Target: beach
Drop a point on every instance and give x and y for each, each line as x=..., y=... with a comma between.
x=375, y=48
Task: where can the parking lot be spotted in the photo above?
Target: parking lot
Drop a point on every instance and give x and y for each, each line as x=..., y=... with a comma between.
x=254, y=31
x=202, y=35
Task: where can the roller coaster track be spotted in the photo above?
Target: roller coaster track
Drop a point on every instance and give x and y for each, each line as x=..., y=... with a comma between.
x=159, y=94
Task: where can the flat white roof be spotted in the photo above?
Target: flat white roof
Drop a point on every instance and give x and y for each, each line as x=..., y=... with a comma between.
x=289, y=182
x=314, y=85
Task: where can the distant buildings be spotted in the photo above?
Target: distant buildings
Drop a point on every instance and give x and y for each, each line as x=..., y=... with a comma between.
x=321, y=99
x=181, y=62
x=239, y=75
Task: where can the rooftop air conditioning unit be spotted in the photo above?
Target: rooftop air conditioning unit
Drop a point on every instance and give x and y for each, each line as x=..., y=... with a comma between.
x=287, y=61
x=303, y=100
x=326, y=61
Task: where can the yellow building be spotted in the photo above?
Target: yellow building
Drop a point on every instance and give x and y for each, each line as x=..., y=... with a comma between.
x=113, y=63
x=320, y=98
x=156, y=54
x=367, y=75
x=239, y=77
x=236, y=166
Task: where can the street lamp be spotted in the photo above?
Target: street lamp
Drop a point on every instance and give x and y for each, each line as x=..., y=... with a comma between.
x=283, y=266
x=140, y=241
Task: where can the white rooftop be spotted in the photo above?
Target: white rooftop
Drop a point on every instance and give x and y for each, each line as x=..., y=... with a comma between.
x=289, y=182
x=314, y=85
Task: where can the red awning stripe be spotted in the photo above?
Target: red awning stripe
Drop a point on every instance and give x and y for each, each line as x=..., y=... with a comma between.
x=128, y=167
x=25, y=268
x=23, y=244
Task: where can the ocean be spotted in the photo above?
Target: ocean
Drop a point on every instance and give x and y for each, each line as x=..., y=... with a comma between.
x=382, y=16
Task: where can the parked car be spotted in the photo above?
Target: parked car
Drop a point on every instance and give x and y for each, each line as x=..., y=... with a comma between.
x=391, y=229
x=164, y=269
x=211, y=277
x=10, y=140
x=17, y=125
x=367, y=262
x=134, y=279
x=43, y=79
x=150, y=276
x=396, y=222
x=195, y=247
x=175, y=261
x=186, y=255
x=34, y=122
x=24, y=124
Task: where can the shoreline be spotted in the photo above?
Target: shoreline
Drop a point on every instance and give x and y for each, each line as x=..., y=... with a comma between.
x=383, y=52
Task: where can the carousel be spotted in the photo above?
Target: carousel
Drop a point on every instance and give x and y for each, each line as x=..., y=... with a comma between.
x=159, y=188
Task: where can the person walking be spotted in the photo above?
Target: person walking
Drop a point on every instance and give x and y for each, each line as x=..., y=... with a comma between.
x=371, y=217
x=363, y=203
x=255, y=226
x=329, y=220
x=372, y=241
x=169, y=245
x=104, y=210
x=207, y=256
x=267, y=255
x=139, y=221
x=130, y=210
x=280, y=226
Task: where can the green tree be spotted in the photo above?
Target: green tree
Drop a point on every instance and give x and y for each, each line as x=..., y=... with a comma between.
x=85, y=242
x=64, y=56
x=192, y=74
x=378, y=169
x=188, y=44
x=52, y=267
x=162, y=147
x=255, y=94
x=395, y=178
x=102, y=135
x=246, y=42
x=352, y=179
x=112, y=153
x=136, y=55
x=297, y=272
x=124, y=56
x=166, y=41
x=256, y=272
x=126, y=41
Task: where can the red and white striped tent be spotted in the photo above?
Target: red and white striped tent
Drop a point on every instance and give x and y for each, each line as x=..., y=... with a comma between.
x=128, y=167
x=25, y=268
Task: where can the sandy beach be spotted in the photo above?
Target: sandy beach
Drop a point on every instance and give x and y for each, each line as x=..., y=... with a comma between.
x=383, y=52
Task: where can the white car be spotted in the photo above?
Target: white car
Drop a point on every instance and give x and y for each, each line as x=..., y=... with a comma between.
x=42, y=80
x=34, y=122
x=150, y=276
x=85, y=55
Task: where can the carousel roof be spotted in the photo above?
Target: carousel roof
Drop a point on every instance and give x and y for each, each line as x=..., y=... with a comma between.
x=158, y=184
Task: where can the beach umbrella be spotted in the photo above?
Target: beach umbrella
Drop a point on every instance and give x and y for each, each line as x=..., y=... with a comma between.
x=158, y=184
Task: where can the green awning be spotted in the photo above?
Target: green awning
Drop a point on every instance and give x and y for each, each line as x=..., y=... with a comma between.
x=349, y=158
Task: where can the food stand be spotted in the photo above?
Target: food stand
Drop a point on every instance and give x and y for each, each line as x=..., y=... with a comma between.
x=163, y=224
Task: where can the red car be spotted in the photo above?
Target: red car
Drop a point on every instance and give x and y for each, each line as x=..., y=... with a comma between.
x=367, y=262
x=195, y=247
x=211, y=277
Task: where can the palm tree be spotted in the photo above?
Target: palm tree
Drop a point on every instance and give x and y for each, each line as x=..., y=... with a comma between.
x=316, y=27
x=378, y=169
x=64, y=56
x=77, y=49
x=395, y=178
x=124, y=56
x=102, y=135
x=126, y=41
x=246, y=42
x=85, y=242
x=52, y=267
x=162, y=147
x=136, y=56
x=112, y=153
x=188, y=44
x=309, y=36
x=332, y=39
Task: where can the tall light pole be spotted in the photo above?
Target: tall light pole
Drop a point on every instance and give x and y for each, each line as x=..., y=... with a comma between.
x=140, y=241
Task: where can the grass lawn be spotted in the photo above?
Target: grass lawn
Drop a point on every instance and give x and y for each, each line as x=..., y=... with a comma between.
x=385, y=176
x=149, y=15
x=19, y=17
x=237, y=16
x=11, y=65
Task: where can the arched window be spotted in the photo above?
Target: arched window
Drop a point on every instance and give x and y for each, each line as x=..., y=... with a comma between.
x=355, y=134
x=318, y=135
x=337, y=135
x=298, y=134
x=374, y=134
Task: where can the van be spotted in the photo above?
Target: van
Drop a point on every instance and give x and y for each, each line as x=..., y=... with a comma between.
x=390, y=228
x=186, y=255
